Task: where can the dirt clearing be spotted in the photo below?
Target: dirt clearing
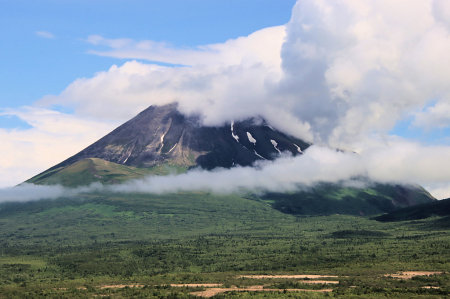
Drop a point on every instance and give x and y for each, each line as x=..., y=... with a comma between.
x=289, y=276
x=411, y=274
x=214, y=291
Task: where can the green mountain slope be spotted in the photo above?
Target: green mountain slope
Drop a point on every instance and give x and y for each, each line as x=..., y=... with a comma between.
x=323, y=199
x=90, y=170
x=437, y=208
x=327, y=199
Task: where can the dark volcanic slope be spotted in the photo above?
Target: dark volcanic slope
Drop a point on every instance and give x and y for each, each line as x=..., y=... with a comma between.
x=163, y=135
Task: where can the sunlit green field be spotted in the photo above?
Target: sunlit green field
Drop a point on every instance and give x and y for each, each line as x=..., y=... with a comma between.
x=71, y=248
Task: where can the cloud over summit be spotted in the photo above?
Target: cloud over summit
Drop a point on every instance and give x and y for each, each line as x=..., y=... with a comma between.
x=337, y=72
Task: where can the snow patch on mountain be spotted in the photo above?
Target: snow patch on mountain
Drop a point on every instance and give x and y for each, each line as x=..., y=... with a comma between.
x=127, y=158
x=251, y=139
x=172, y=147
x=274, y=143
x=162, y=139
x=232, y=132
x=259, y=155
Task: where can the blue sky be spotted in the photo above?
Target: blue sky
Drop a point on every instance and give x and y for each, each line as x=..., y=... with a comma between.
x=34, y=66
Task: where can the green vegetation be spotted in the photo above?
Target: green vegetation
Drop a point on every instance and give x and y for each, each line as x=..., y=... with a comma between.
x=87, y=171
x=323, y=199
x=437, y=208
x=328, y=199
x=70, y=248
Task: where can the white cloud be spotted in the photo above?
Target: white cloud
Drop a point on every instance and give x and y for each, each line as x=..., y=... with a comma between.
x=440, y=191
x=398, y=164
x=354, y=68
x=53, y=138
x=261, y=46
x=437, y=116
x=317, y=164
x=219, y=93
x=45, y=34
x=406, y=161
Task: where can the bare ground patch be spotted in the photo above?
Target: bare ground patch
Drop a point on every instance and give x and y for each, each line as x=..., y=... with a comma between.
x=311, y=276
x=120, y=286
x=411, y=274
x=214, y=291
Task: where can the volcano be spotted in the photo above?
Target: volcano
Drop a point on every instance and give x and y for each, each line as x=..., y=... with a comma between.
x=160, y=141
x=161, y=135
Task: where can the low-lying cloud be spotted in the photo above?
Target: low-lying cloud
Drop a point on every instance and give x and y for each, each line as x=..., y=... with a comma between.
x=287, y=173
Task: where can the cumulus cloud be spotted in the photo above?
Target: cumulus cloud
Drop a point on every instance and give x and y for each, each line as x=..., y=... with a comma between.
x=227, y=81
x=354, y=68
x=45, y=34
x=346, y=69
x=219, y=94
x=53, y=137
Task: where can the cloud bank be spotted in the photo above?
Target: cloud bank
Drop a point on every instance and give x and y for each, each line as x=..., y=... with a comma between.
x=285, y=174
x=318, y=164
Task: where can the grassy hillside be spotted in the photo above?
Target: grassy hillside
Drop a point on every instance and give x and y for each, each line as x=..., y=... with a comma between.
x=92, y=170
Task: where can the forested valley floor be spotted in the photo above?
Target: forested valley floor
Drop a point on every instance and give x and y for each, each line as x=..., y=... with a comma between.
x=56, y=253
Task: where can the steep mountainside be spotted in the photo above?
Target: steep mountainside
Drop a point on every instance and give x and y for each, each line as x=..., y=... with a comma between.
x=162, y=135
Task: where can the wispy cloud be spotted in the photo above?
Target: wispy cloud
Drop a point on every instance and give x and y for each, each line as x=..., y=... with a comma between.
x=262, y=46
x=317, y=164
x=45, y=34
x=401, y=164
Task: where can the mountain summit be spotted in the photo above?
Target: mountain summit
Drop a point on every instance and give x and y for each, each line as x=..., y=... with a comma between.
x=161, y=134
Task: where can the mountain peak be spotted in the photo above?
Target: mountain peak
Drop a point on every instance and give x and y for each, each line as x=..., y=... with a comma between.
x=162, y=135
